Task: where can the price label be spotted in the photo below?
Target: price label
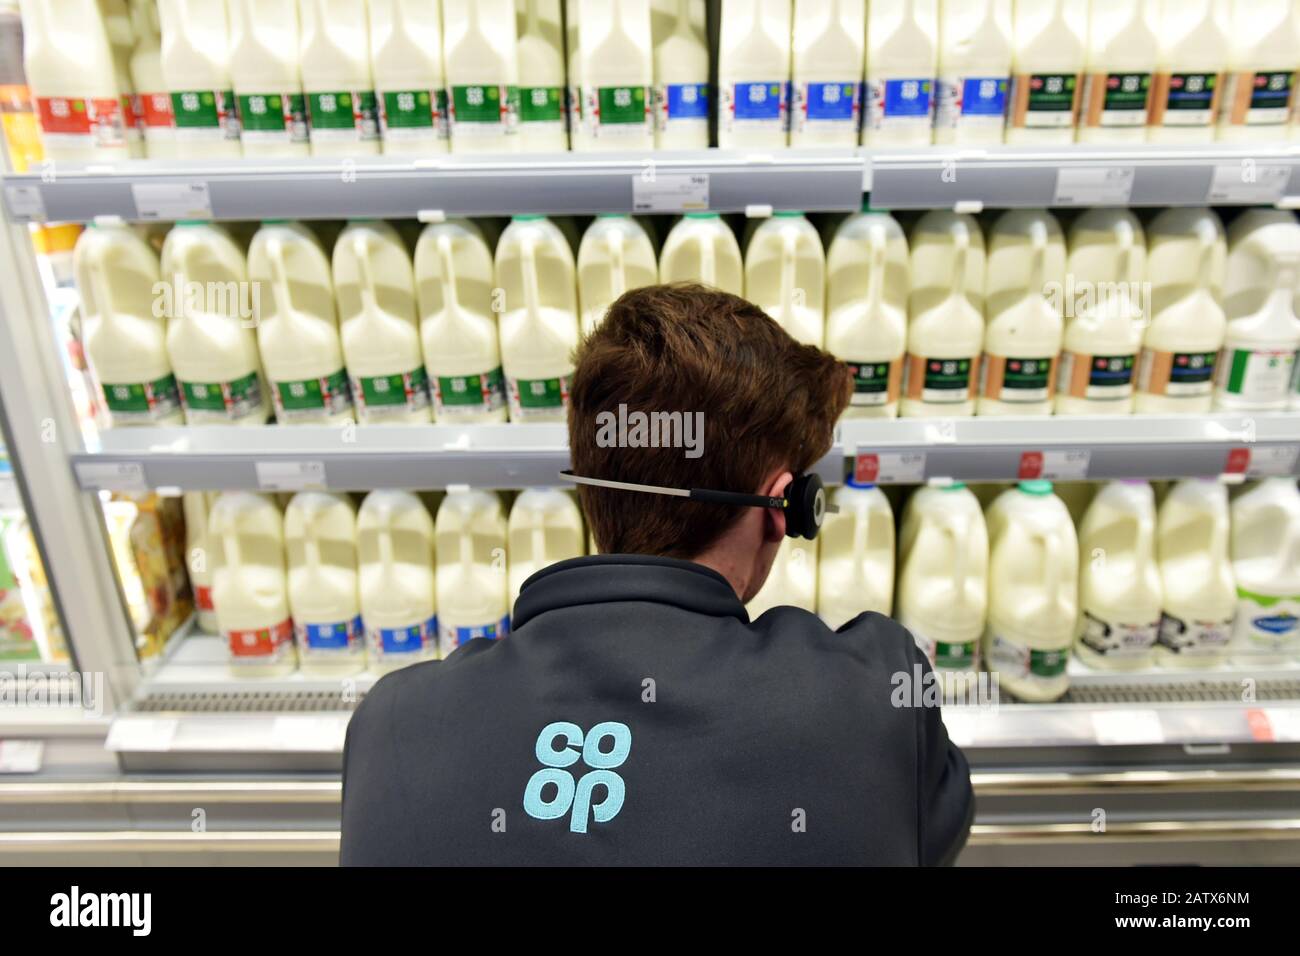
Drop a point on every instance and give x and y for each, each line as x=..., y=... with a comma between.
x=111, y=476
x=1054, y=465
x=1283, y=724
x=164, y=202
x=1248, y=182
x=1238, y=461
x=290, y=475
x=309, y=734
x=653, y=191
x=1127, y=727
x=886, y=468
x=141, y=733
x=26, y=204
x=21, y=756
x=1094, y=186
x=1272, y=461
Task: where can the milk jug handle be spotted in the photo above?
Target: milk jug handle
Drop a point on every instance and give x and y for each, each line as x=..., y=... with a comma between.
x=957, y=530
x=279, y=276
x=1038, y=254
x=618, y=275
x=532, y=295
x=789, y=246
x=876, y=277
x=1205, y=236
x=1052, y=571
x=99, y=283
x=365, y=275
x=450, y=302
x=961, y=242
x=708, y=263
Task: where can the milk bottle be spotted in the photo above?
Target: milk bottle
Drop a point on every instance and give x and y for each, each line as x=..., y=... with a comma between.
x=539, y=322
x=827, y=67
x=681, y=75
x=1119, y=584
x=702, y=248
x=754, y=74
x=1181, y=345
x=617, y=74
x=1191, y=56
x=196, y=67
x=855, y=572
x=615, y=255
x=335, y=58
x=117, y=273
x=1026, y=261
x=1103, y=329
x=479, y=53
x=545, y=526
x=69, y=65
x=267, y=79
x=785, y=275
x=1047, y=66
x=974, y=71
x=320, y=536
x=153, y=104
x=867, y=323
x=198, y=556
x=1195, y=575
x=1033, y=591
x=1117, y=80
x=297, y=329
x=542, y=126
x=249, y=585
x=901, y=64
x=943, y=574
x=1260, y=82
x=210, y=338
x=946, y=331
x=1266, y=563
x=473, y=592
x=406, y=62
x=573, y=92
x=454, y=283
x=379, y=326
x=395, y=573
x=792, y=581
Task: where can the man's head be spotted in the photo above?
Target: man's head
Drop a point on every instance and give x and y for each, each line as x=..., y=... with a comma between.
x=768, y=407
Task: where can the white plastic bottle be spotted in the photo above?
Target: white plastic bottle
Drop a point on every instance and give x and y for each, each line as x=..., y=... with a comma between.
x=544, y=527
x=121, y=39
x=1119, y=583
x=855, y=569
x=1262, y=57
x=868, y=280
x=827, y=66
x=1047, y=65
x=785, y=275
x=473, y=590
x=615, y=255
x=1117, y=80
x=481, y=59
x=681, y=75
x=199, y=555
x=792, y=580
x=211, y=342
x=336, y=77
x=1103, y=328
x=1266, y=563
x=573, y=63
x=297, y=328
x=249, y=584
x=153, y=103
x=946, y=331
x=267, y=79
x=406, y=63
x=943, y=574
x=1025, y=326
x=702, y=248
x=974, y=71
x=901, y=64
x=395, y=548
x=1191, y=58
x=1192, y=534
x=1033, y=591
x=196, y=66
x=1186, y=254
x=754, y=74
x=539, y=322
x=320, y=538
x=117, y=275
x=379, y=325
x=462, y=352
x=542, y=124
x=617, y=75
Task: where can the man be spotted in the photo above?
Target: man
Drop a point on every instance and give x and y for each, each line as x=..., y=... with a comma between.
x=635, y=715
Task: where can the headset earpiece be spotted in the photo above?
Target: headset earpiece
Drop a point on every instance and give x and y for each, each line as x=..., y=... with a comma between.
x=805, y=506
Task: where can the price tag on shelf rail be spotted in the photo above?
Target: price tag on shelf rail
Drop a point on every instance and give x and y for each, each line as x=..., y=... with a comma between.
x=1272, y=461
x=290, y=475
x=111, y=476
x=164, y=202
x=141, y=733
x=1069, y=465
x=1094, y=186
x=1248, y=182
x=300, y=732
x=653, y=191
x=21, y=756
x=26, y=204
x=890, y=468
x=1269, y=724
x=1127, y=727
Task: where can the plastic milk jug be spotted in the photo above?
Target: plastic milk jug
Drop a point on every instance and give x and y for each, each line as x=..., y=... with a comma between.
x=267, y=79
x=1192, y=42
x=1262, y=57
x=1192, y=535
x=785, y=275
x=868, y=277
x=480, y=56
x=196, y=67
x=121, y=39
x=573, y=94
x=1117, y=81
x=617, y=75
x=473, y=591
x=542, y=123
x=974, y=71
x=702, y=248
x=320, y=537
x=901, y=65
x=198, y=556
x=406, y=62
x=681, y=75
x=855, y=571
x=754, y=74
x=336, y=77
x=211, y=341
x=545, y=526
x=395, y=568
x=615, y=255
x=1047, y=70
x=827, y=72
x=1266, y=563
x=153, y=103
x=792, y=581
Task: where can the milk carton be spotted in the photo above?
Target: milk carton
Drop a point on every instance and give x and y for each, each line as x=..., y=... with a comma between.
x=785, y=275
x=855, y=571
x=1192, y=535
x=702, y=248
x=615, y=255
x=320, y=535
x=473, y=592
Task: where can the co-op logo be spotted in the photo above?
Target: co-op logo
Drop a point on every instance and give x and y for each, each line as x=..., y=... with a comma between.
x=559, y=745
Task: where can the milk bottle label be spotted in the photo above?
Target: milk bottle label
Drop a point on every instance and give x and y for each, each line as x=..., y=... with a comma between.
x=875, y=383
x=390, y=396
x=154, y=112
x=331, y=636
x=312, y=399
x=1267, y=624
x=943, y=654
x=617, y=111
x=538, y=398
x=1258, y=99
x=1044, y=100
x=262, y=644
x=142, y=403
x=1010, y=379
x=468, y=395
x=1116, y=100
x=413, y=115
x=484, y=111
x=344, y=116
x=1026, y=664
x=758, y=107
x=1100, y=377
x=898, y=104
x=273, y=117
x=221, y=402
x=203, y=598
x=681, y=106
x=826, y=106
x=971, y=101
x=1185, y=99
x=541, y=107
x=398, y=641
x=1116, y=641
x=450, y=638
x=1191, y=638
x=1256, y=375
x=82, y=123
x=205, y=116
x=938, y=380
x=1176, y=374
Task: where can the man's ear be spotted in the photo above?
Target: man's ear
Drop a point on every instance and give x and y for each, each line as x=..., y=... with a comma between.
x=773, y=519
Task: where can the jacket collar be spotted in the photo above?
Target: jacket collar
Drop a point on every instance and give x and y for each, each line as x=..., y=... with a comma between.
x=607, y=578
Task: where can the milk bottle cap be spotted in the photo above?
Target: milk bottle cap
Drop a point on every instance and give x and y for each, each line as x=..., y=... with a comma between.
x=1036, y=487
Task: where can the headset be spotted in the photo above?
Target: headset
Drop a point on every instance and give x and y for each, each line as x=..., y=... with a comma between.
x=803, y=501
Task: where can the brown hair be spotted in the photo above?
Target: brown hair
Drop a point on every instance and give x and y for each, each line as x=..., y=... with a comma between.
x=767, y=403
